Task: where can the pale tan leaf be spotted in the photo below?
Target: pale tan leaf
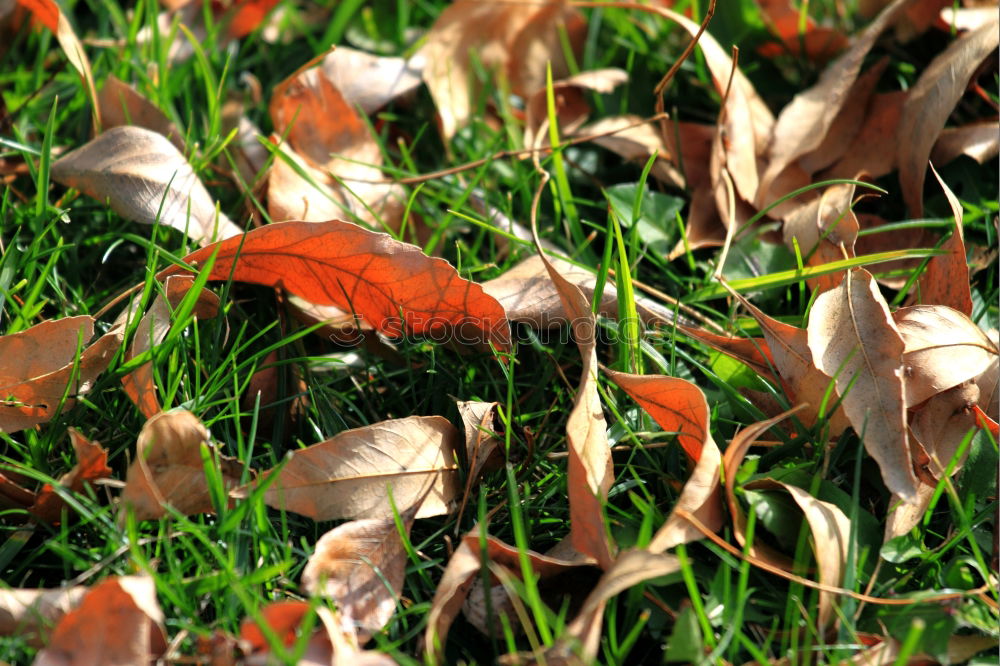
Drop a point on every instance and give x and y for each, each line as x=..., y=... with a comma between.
x=370, y=82
x=804, y=123
x=482, y=443
x=931, y=101
x=853, y=340
x=942, y=423
x=145, y=179
x=528, y=295
x=904, y=515
x=121, y=105
x=168, y=468
x=824, y=229
x=943, y=348
x=590, y=469
x=30, y=614
x=571, y=107
x=351, y=474
x=635, y=141
x=831, y=537
x=539, y=44
x=946, y=278
x=980, y=141
x=118, y=621
x=40, y=365
x=360, y=566
x=789, y=347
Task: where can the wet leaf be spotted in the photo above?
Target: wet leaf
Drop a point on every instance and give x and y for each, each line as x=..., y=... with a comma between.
x=931, y=101
x=853, y=340
x=350, y=475
x=168, y=468
x=392, y=285
x=39, y=366
x=145, y=179
x=118, y=621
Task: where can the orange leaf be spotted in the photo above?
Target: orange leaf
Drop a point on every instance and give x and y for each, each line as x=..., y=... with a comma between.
x=92, y=465
x=946, y=279
x=392, y=285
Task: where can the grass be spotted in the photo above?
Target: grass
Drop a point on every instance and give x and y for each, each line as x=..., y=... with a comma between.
x=65, y=254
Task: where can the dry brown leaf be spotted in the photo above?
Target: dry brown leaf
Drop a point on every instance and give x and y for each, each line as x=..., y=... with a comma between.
x=30, y=614
x=942, y=423
x=370, y=82
x=747, y=122
x=635, y=141
x=49, y=14
x=152, y=329
x=980, y=141
x=679, y=406
x=801, y=378
x=460, y=576
x=946, y=278
x=38, y=365
x=872, y=153
x=118, y=621
x=931, y=100
x=897, y=239
x=803, y=125
x=391, y=285
x=145, y=179
x=785, y=21
x=905, y=515
x=831, y=537
x=331, y=644
x=751, y=352
x=943, y=348
x=824, y=229
x=482, y=452
x=92, y=464
x=168, y=468
x=528, y=295
x=848, y=122
x=571, y=107
x=491, y=31
x=360, y=565
x=349, y=476
x=969, y=17
x=854, y=340
x=590, y=470
x=120, y=104
x=539, y=44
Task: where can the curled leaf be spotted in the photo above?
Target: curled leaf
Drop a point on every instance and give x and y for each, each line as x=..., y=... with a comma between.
x=92, y=464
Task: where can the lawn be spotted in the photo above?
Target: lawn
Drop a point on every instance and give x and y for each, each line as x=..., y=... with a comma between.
x=578, y=332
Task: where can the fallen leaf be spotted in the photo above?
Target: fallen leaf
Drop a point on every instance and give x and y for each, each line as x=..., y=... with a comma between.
x=30, y=614
x=92, y=464
x=798, y=35
x=803, y=124
x=942, y=423
x=904, y=515
x=635, y=141
x=979, y=140
x=967, y=18
x=370, y=82
x=802, y=379
x=590, y=471
x=831, y=537
x=145, y=179
x=824, y=230
x=168, y=468
x=482, y=444
x=931, y=100
x=752, y=352
x=49, y=14
x=118, y=621
x=872, y=153
x=347, y=476
x=854, y=340
x=391, y=285
x=244, y=16
x=747, y=124
x=943, y=349
x=13, y=494
x=120, y=105
x=528, y=295
x=152, y=329
x=945, y=281
x=494, y=32
x=679, y=406
x=460, y=576
x=570, y=100
x=331, y=644
x=40, y=365
x=896, y=239
x=360, y=565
